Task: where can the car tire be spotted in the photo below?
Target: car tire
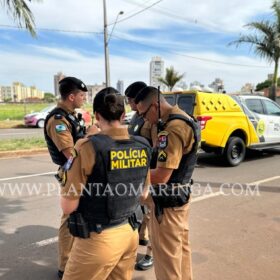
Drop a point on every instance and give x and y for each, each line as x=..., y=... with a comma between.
x=234, y=152
x=40, y=123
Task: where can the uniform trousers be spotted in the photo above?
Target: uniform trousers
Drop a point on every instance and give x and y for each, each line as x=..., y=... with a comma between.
x=109, y=255
x=65, y=242
x=144, y=233
x=170, y=243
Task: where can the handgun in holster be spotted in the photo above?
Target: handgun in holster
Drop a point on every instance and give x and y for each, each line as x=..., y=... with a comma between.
x=77, y=225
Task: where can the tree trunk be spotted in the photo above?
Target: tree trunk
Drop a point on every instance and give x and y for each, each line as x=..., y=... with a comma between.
x=273, y=90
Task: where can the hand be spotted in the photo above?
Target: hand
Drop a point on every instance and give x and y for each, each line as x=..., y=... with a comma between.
x=93, y=129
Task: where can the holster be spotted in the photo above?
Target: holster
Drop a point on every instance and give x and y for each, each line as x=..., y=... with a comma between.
x=78, y=227
x=167, y=196
x=134, y=223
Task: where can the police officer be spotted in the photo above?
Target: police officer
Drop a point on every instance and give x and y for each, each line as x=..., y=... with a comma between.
x=62, y=129
x=177, y=143
x=139, y=126
x=109, y=171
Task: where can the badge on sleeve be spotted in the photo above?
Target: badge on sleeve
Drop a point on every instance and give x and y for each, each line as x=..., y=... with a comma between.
x=162, y=139
x=68, y=163
x=162, y=156
x=60, y=127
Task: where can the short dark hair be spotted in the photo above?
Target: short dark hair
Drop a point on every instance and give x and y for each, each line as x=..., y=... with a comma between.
x=145, y=93
x=109, y=104
x=133, y=89
x=69, y=85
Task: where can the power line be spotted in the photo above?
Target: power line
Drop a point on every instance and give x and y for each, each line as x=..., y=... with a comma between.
x=53, y=30
x=137, y=13
x=193, y=57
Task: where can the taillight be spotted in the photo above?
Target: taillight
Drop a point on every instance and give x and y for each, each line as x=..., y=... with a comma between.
x=203, y=120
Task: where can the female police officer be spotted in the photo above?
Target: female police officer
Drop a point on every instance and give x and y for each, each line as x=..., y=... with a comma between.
x=110, y=170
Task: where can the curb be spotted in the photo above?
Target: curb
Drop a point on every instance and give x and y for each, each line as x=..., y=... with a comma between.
x=21, y=153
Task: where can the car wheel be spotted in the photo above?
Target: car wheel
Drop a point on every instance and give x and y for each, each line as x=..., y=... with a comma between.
x=40, y=123
x=234, y=152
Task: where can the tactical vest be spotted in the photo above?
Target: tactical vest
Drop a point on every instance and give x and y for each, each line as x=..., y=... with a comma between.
x=135, y=125
x=78, y=131
x=183, y=174
x=112, y=192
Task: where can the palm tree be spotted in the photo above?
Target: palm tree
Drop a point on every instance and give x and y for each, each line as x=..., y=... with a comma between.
x=266, y=42
x=171, y=78
x=21, y=13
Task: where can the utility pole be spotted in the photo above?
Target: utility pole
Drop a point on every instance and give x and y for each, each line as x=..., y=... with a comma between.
x=106, y=50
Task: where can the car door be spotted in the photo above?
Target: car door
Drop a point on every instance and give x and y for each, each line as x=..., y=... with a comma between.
x=272, y=111
x=264, y=121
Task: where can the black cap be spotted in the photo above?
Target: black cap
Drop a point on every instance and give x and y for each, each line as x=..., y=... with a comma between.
x=98, y=101
x=133, y=89
x=144, y=93
x=69, y=84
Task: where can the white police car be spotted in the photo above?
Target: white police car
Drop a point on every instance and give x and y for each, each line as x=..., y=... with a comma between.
x=264, y=115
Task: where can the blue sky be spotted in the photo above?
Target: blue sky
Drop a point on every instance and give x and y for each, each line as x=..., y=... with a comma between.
x=185, y=33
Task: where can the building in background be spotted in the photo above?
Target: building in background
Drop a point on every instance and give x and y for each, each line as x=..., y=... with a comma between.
x=217, y=85
x=120, y=87
x=18, y=92
x=92, y=90
x=156, y=71
x=248, y=88
x=56, y=78
x=196, y=85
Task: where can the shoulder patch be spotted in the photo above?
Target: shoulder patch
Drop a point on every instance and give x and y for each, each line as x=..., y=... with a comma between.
x=162, y=156
x=57, y=116
x=60, y=127
x=163, y=139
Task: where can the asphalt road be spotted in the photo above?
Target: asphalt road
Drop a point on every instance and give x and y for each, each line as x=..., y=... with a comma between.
x=235, y=219
x=22, y=133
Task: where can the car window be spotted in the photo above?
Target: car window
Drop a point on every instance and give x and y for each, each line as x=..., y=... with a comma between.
x=271, y=108
x=186, y=103
x=170, y=99
x=255, y=105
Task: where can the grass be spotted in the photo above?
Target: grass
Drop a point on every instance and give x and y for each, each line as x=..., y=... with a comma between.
x=10, y=111
x=11, y=115
x=22, y=144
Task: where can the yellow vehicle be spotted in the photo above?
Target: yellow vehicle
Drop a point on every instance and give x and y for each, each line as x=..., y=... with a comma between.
x=228, y=126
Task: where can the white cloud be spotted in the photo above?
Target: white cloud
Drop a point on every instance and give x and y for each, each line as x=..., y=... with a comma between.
x=216, y=15
x=31, y=68
x=42, y=61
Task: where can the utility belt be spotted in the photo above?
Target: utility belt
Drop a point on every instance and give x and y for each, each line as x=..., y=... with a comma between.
x=170, y=195
x=79, y=227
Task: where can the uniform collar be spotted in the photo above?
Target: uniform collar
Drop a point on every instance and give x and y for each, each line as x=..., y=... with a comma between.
x=170, y=111
x=116, y=132
x=61, y=105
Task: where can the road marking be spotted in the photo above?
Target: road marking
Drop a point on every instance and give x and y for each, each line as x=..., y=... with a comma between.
x=53, y=240
x=27, y=176
x=207, y=196
x=45, y=242
x=265, y=180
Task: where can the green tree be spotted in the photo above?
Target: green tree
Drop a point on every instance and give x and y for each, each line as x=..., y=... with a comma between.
x=171, y=78
x=266, y=84
x=266, y=41
x=21, y=13
x=49, y=97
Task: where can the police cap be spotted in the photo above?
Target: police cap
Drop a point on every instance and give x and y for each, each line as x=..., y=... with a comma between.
x=99, y=99
x=133, y=89
x=144, y=93
x=70, y=84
